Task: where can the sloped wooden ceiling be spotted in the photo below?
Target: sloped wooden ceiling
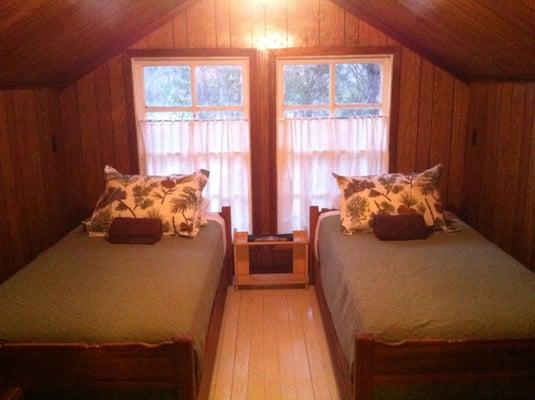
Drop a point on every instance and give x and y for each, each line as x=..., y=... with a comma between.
x=473, y=39
x=54, y=41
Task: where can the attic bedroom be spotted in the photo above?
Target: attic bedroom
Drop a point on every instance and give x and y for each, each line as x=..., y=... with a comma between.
x=267, y=199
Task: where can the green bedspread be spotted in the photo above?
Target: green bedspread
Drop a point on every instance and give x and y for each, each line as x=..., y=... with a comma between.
x=86, y=290
x=450, y=286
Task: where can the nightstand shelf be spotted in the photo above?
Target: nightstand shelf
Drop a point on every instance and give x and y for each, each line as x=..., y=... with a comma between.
x=299, y=274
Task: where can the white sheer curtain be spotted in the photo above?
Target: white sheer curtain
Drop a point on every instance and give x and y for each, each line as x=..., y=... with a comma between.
x=310, y=150
x=221, y=147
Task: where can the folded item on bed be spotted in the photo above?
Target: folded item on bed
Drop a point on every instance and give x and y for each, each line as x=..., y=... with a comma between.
x=400, y=227
x=135, y=231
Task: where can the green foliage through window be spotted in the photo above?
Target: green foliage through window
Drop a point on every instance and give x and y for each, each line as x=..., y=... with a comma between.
x=203, y=91
x=306, y=84
x=167, y=86
x=218, y=85
x=356, y=85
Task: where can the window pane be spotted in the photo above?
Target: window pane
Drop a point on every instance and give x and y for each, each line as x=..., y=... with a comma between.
x=294, y=114
x=306, y=84
x=169, y=116
x=219, y=115
x=219, y=85
x=358, y=83
x=359, y=112
x=167, y=86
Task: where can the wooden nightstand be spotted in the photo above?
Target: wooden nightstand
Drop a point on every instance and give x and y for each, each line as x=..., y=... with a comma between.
x=11, y=394
x=299, y=274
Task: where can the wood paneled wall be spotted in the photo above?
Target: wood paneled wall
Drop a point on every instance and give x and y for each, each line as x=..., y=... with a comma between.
x=95, y=126
x=433, y=104
x=499, y=195
x=31, y=166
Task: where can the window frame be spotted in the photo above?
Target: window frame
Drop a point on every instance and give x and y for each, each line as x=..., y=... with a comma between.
x=139, y=83
x=386, y=61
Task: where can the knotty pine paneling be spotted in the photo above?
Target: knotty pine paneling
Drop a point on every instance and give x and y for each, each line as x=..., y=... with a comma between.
x=206, y=38
x=433, y=104
x=330, y=33
x=72, y=147
x=304, y=23
x=499, y=180
x=31, y=170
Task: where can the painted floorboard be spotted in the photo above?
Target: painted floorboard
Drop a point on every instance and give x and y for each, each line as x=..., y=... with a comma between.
x=273, y=346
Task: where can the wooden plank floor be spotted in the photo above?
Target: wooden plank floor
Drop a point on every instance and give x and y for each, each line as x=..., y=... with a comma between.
x=273, y=346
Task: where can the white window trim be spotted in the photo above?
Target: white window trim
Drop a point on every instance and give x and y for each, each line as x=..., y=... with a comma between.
x=139, y=84
x=386, y=61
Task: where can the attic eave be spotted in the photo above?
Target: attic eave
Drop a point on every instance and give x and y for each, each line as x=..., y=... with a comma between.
x=360, y=12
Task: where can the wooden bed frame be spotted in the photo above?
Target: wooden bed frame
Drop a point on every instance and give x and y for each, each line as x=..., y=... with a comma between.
x=166, y=365
x=418, y=361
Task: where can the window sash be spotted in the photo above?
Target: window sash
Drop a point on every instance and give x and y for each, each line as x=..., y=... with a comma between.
x=386, y=62
x=337, y=106
x=139, y=88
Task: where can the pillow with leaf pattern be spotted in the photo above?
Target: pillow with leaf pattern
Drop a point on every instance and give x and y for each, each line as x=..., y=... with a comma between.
x=174, y=199
x=363, y=196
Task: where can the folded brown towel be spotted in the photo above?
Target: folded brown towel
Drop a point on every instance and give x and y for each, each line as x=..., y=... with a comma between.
x=135, y=230
x=400, y=227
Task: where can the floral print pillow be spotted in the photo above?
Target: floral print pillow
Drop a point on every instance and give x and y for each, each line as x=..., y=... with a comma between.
x=174, y=199
x=394, y=194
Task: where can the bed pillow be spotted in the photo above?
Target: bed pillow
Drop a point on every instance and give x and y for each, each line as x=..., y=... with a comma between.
x=135, y=230
x=173, y=199
x=361, y=197
x=400, y=227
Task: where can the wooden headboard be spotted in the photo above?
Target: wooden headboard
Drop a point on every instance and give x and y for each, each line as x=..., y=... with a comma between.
x=314, y=215
x=225, y=214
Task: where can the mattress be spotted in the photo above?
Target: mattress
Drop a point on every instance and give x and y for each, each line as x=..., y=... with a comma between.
x=86, y=290
x=449, y=286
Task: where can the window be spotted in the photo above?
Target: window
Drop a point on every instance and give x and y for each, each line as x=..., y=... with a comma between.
x=182, y=90
x=334, y=88
x=194, y=113
x=333, y=115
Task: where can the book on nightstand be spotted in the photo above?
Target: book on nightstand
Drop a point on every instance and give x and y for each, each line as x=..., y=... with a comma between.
x=283, y=237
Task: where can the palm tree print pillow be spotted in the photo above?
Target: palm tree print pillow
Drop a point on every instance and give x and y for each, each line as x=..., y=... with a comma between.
x=174, y=199
x=393, y=194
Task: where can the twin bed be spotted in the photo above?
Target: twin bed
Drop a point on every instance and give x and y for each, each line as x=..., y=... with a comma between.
x=451, y=308
x=88, y=314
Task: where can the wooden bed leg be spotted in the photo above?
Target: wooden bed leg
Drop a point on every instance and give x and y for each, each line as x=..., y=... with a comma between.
x=185, y=381
x=229, y=258
x=314, y=214
x=364, y=371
